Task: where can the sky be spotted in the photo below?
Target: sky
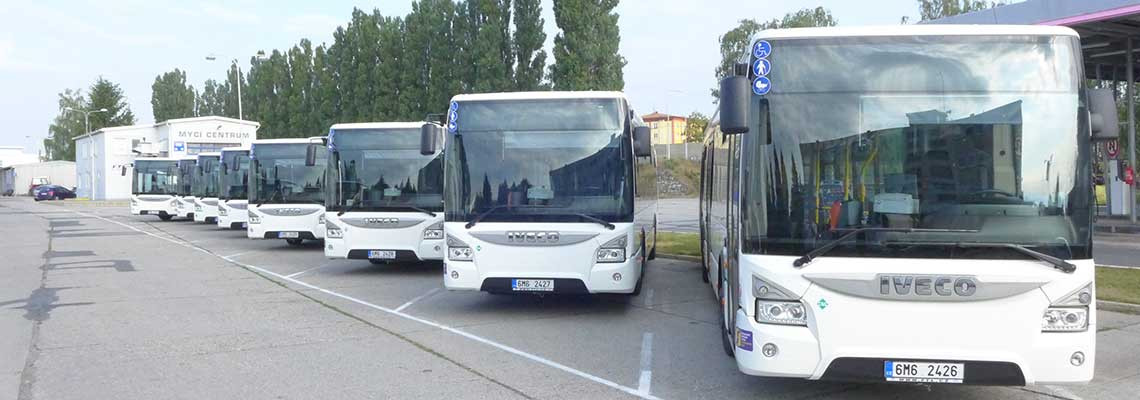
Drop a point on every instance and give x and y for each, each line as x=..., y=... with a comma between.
x=45, y=47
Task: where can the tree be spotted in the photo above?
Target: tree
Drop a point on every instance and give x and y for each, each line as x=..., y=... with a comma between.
x=530, y=58
x=66, y=126
x=171, y=97
x=695, y=127
x=935, y=9
x=210, y=100
x=493, y=53
x=108, y=95
x=586, y=50
x=734, y=43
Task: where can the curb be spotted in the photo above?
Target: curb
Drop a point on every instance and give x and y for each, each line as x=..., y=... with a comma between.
x=680, y=257
x=1118, y=307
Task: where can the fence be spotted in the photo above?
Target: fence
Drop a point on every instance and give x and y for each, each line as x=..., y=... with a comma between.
x=680, y=151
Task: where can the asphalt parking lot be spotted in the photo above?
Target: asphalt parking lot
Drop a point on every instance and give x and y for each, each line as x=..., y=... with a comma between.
x=100, y=304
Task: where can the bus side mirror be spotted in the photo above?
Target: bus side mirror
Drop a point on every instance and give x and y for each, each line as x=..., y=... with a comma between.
x=642, y=144
x=735, y=93
x=1102, y=114
x=428, y=134
x=311, y=155
x=124, y=170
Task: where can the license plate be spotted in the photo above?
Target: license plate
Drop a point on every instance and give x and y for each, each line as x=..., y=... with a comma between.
x=288, y=235
x=382, y=254
x=532, y=285
x=923, y=372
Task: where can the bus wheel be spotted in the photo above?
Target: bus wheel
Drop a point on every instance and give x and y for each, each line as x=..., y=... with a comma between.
x=725, y=334
x=295, y=242
x=704, y=260
x=641, y=276
x=165, y=217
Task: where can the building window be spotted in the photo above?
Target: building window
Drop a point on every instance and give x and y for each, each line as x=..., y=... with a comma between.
x=195, y=148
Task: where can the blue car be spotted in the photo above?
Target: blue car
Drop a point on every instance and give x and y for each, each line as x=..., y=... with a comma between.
x=53, y=192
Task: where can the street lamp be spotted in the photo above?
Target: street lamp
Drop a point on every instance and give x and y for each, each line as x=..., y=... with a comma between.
x=260, y=55
x=91, y=145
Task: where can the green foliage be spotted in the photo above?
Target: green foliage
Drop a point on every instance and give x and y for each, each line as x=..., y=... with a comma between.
x=530, y=59
x=734, y=43
x=108, y=95
x=695, y=127
x=586, y=50
x=210, y=100
x=66, y=125
x=935, y=9
x=171, y=97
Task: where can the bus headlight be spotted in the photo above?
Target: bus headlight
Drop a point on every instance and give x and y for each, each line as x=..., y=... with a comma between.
x=254, y=219
x=222, y=211
x=197, y=208
x=781, y=312
x=434, y=232
x=333, y=231
x=321, y=219
x=457, y=250
x=612, y=251
x=174, y=203
x=1065, y=319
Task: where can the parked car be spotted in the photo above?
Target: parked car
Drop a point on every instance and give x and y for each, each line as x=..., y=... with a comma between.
x=53, y=192
x=37, y=182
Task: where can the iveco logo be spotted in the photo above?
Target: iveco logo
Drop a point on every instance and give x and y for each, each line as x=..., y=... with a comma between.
x=379, y=221
x=532, y=237
x=927, y=285
x=290, y=210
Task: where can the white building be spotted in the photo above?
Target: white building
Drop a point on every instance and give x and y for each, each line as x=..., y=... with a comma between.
x=17, y=179
x=107, y=154
x=12, y=155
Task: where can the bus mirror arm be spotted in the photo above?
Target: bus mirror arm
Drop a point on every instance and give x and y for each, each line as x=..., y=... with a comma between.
x=1102, y=115
x=735, y=95
x=642, y=144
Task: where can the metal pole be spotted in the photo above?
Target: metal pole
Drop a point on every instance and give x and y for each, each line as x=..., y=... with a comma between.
x=1131, y=88
x=238, y=80
x=90, y=151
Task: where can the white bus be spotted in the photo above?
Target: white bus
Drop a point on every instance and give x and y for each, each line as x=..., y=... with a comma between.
x=155, y=187
x=205, y=187
x=286, y=195
x=233, y=184
x=386, y=203
x=546, y=192
x=187, y=166
x=906, y=204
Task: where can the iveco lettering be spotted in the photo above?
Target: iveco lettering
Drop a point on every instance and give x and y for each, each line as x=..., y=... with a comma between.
x=287, y=190
x=233, y=184
x=909, y=204
x=386, y=203
x=205, y=187
x=546, y=192
x=154, y=187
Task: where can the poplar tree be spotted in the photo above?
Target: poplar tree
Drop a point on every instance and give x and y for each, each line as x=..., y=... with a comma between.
x=530, y=58
x=171, y=97
x=586, y=50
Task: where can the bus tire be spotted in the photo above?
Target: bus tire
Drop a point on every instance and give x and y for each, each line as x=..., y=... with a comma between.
x=165, y=217
x=295, y=242
x=704, y=259
x=652, y=252
x=725, y=341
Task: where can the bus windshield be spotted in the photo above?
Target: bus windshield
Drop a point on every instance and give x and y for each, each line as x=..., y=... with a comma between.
x=234, y=182
x=185, y=181
x=280, y=175
x=205, y=177
x=383, y=170
x=539, y=160
x=980, y=137
x=156, y=177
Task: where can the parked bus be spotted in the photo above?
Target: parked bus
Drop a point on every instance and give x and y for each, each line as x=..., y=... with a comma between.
x=906, y=204
x=205, y=187
x=186, y=170
x=233, y=184
x=154, y=187
x=546, y=192
x=386, y=200
x=286, y=194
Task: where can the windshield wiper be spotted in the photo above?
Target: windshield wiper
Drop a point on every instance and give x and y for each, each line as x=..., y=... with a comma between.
x=1057, y=263
x=821, y=250
x=600, y=221
x=483, y=214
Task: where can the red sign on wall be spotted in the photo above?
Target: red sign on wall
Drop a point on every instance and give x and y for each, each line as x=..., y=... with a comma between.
x=1112, y=147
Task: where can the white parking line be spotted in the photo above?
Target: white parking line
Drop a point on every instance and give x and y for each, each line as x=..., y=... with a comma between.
x=1060, y=391
x=290, y=276
x=649, y=298
x=646, y=377
x=417, y=298
x=239, y=254
x=480, y=339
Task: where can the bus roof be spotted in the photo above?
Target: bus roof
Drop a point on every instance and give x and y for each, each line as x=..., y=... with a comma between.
x=539, y=96
x=156, y=159
x=916, y=30
x=235, y=148
x=377, y=125
x=210, y=154
x=285, y=141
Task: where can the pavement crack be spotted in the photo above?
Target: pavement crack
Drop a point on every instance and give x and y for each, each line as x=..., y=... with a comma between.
x=37, y=314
